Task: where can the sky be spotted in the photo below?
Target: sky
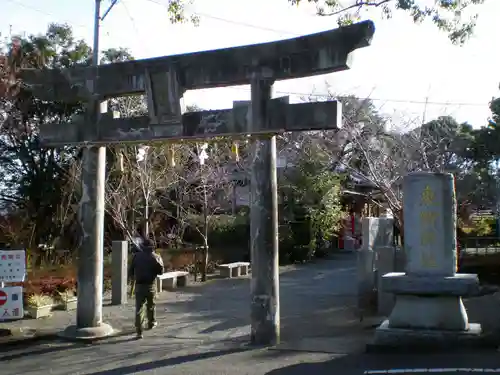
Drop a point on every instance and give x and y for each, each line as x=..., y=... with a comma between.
x=412, y=72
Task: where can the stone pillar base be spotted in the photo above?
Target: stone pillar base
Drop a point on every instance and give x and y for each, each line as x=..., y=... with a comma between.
x=87, y=334
x=429, y=312
x=428, y=339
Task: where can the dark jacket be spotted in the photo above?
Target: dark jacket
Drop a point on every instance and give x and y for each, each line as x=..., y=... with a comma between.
x=145, y=266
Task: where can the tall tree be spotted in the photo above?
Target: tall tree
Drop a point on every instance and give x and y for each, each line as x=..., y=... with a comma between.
x=368, y=150
x=486, y=147
x=445, y=14
x=35, y=178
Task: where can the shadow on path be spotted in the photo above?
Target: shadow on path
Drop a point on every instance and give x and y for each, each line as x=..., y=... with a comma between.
x=316, y=299
x=63, y=345
x=359, y=363
x=168, y=362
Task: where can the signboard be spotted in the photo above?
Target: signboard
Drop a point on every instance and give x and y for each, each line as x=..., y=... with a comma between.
x=11, y=303
x=12, y=266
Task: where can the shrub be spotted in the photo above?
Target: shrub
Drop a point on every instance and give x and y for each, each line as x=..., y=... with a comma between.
x=481, y=227
x=286, y=244
x=54, y=281
x=223, y=231
x=295, y=242
x=228, y=230
x=485, y=226
x=39, y=300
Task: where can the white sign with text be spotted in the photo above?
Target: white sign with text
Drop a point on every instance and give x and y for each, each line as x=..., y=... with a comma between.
x=11, y=303
x=12, y=266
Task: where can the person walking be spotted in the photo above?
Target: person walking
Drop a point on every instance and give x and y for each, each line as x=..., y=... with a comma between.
x=144, y=268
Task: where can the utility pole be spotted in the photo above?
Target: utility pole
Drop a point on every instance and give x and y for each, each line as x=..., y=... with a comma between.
x=91, y=253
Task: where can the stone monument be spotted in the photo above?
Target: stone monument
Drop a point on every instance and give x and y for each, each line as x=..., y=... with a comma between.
x=429, y=307
x=377, y=233
x=119, y=275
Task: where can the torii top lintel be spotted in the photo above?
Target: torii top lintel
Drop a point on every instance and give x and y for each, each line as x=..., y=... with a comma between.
x=308, y=55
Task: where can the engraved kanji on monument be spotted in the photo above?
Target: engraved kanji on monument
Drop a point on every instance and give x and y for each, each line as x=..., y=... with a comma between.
x=430, y=223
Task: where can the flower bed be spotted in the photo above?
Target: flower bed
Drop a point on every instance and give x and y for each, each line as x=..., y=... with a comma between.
x=53, y=281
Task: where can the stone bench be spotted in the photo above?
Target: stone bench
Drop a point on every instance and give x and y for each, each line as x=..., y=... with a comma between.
x=235, y=269
x=172, y=280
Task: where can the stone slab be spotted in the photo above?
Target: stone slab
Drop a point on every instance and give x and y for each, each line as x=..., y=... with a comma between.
x=430, y=216
x=119, y=275
x=377, y=231
x=365, y=277
x=399, y=260
x=461, y=284
x=384, y=263
x=410, y=339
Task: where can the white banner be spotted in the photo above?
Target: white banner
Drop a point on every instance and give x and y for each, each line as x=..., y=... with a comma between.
x=11, y=303
x=12, y=266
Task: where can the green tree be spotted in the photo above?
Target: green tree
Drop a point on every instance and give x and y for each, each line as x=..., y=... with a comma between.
x=177, y=13
x=314, y=189
x=486, y=146
x=445, y=14
x=34, y=178
x=452, y=151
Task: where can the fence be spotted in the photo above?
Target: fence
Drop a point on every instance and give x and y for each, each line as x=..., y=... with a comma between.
x=473, y=246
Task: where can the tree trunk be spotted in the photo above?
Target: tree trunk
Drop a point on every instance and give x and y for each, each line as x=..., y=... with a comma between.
x=400, y=224
x=204, y=264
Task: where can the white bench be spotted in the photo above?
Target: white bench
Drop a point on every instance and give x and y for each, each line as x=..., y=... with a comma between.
x=235, y=269
x=172, y=280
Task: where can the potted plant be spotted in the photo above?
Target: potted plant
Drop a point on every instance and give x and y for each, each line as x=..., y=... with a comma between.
x=39, y=305
x=68, y=299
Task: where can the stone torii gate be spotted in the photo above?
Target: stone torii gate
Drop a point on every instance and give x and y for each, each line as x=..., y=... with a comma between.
x=164, y=80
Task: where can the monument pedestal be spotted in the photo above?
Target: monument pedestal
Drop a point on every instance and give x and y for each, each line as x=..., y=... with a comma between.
x=428, y=311
x=401, y=338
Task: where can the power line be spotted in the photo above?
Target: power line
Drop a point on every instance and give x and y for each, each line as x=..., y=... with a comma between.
x=408, y=101
x=38, y=10
x=131, y=18
x=425, y=102
x=237, y=23
x=319, y=95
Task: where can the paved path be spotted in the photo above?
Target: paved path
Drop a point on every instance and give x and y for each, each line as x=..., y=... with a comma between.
x=315, y=299
x=204, y=330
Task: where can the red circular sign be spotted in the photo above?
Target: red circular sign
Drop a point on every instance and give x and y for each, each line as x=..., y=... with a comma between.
x=3, y=298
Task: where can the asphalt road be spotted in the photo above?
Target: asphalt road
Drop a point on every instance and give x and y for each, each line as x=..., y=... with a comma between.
x=181, y=357
x=205, y=331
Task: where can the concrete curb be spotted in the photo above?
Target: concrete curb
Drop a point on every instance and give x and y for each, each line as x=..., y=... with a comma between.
x=23, y=337
x=486, y=344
